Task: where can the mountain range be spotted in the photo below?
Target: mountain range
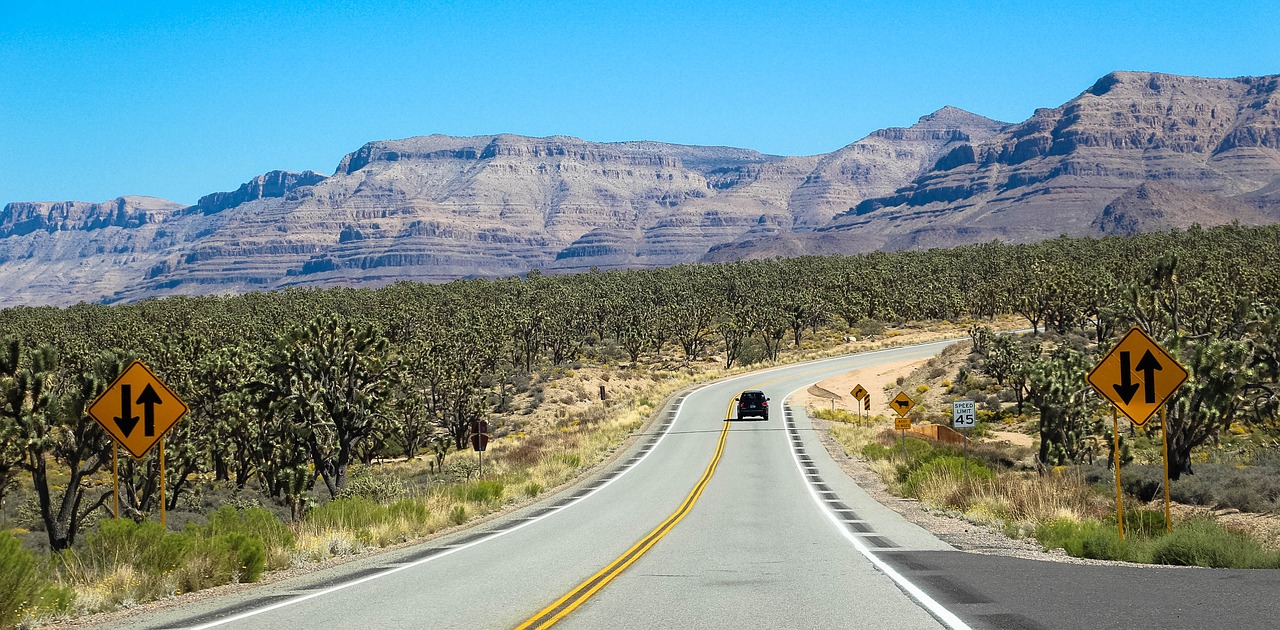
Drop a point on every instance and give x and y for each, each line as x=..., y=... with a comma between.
x=1135, y=152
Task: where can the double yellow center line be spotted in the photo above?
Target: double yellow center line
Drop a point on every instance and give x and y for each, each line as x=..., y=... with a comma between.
x=552, y=614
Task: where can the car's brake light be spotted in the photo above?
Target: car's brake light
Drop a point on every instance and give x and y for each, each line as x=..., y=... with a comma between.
x=765, y=403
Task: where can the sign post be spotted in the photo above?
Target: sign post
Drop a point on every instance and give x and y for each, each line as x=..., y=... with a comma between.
x=859, y=393
x=963, y=416
x=902, y=404
x=1120, y=379
x=480, y=440
x=114, y=410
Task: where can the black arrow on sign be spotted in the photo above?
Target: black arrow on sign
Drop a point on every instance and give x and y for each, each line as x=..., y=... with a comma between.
x=126, y=421
x=1148, y=366
x=1127, y=388
x=149, y=399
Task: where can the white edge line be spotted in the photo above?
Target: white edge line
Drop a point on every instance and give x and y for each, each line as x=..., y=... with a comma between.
x=937, y=610
x=557, y=510
x=450, y=551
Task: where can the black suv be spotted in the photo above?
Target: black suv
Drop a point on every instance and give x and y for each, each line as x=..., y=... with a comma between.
x=753, y=403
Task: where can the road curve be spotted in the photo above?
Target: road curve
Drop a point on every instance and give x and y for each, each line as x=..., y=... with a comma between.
x=708, y=524
x=756, y=548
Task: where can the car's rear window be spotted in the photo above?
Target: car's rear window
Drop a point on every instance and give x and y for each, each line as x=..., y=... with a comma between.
x=752, y=395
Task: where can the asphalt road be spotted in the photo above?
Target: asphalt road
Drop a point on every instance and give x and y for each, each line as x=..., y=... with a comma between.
x=749, y=525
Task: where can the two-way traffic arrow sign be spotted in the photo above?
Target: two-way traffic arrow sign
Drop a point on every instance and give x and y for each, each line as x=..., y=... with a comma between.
x=114, y=409
x=1158, y=376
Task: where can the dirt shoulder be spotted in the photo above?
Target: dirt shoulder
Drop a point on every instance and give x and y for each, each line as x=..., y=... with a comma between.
x=952, y=528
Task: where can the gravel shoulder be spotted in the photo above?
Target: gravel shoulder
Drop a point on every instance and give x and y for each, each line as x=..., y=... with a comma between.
x=950, y=527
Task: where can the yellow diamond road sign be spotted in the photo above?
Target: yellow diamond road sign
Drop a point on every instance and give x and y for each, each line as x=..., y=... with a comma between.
x=858, y=392
x=1137, y=376
x=137, y=409
x=902, y=403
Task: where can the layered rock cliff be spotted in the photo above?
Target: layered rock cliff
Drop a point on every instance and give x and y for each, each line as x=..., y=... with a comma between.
x=1134, y=152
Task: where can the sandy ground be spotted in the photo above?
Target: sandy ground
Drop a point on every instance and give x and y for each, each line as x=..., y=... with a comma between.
x=1012, y=437
x=873, y=379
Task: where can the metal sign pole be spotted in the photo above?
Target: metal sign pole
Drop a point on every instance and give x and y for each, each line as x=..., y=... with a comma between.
x=965, y=435
x=162, y=523
x=1164, y=437
x=481, y=474
x=115, y=473
x=1115, y=434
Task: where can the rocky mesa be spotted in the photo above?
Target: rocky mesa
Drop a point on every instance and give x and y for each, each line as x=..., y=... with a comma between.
x=1134, y=152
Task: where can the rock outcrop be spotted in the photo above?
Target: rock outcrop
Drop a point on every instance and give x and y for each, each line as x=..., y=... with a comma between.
x=265, y=186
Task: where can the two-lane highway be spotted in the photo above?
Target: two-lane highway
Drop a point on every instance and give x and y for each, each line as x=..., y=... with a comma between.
x=752, y=548
x=708, y=523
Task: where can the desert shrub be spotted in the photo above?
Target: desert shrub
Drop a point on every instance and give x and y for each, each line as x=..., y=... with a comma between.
x=482, y=491
x=276, y=537
x=1083, y=539
x=381, y=487
x=869, y=327
x=836, y=415
x=949, y=466
x=1140, y=522
x=351, y=513
x=1248, y=489
x=460, y=468
x=145, y=546
x=219, y=559
x=1202, y=542
x=753, y=351
x=527, y=453
x=24, y=589
x=876, y=450
x=458, y=515
x=1141, y=481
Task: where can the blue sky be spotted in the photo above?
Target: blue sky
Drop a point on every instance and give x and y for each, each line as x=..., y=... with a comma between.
x=99, y=100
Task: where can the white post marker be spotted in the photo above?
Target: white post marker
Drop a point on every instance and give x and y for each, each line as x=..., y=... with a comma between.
x=963, y=416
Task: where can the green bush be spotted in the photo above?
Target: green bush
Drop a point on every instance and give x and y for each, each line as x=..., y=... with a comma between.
x=409, y=510
x=836, y=415
x=1142, y=523
x=1083, y=539
x=378, y=486
x=876, y=450
x=248, y=555
x=1204, y=543
x=347, y=513
x=259, y=523
x=458, y=515
x=145, y=546
x=482, y=491
x=24, y=589
x=949, y=465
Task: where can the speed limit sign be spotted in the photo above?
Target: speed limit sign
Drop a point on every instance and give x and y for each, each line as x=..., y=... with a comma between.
x=962, y=414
